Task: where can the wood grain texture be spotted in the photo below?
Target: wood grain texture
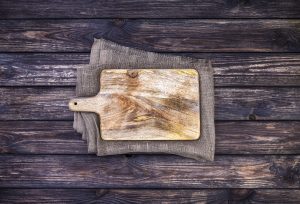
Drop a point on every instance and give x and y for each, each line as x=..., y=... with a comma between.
x=141, y=171
x=154, y=35
x=109, y=196
x=146, y=104
x=240, y=137
x=50, y=103
x=230, y=69
x=184, y=196
x=18, y=9
x=47, y=26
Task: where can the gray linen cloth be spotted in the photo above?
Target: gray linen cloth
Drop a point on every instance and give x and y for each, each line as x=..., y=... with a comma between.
x=107, y=54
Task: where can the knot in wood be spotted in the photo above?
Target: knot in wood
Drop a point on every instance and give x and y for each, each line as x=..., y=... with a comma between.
x=132, y=73
x=252, y=117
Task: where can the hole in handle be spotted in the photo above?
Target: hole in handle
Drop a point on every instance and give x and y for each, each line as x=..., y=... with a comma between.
x=75, y=103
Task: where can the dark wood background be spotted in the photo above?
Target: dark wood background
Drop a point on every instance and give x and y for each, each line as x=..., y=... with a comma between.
x=254, y=45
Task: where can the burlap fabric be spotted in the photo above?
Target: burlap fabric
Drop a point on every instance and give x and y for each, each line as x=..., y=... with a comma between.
x=106, y=54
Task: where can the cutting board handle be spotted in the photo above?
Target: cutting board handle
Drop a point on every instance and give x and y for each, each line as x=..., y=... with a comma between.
x=90, y=104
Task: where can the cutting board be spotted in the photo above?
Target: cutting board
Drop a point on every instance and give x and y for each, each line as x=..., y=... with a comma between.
x=146, y=104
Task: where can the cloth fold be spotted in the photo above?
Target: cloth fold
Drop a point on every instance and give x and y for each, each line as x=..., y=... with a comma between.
x=109, y=55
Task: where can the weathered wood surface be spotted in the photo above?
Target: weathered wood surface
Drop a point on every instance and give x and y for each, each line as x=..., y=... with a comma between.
x=146, y=104
x=230, y=69
x=51, y=103
x=156, y=35
x=240, y=137
x=187, y=196
x=19, y=9
x=152, y=171
x=37, y=33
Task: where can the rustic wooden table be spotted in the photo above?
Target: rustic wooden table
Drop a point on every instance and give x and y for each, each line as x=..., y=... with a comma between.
x=255, y=49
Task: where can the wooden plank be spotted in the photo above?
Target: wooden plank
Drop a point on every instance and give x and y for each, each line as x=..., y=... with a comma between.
x=146, y=104
x=58, y=137
x=157, y=35
x=50, y=103
x=40, y=137
x=151, y=171
x=29, y=69
x=149, y=9
x=230, y=69
x=111, y=196
x=251, y=196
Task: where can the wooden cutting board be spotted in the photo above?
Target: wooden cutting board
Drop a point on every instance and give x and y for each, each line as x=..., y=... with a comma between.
x=146, y=104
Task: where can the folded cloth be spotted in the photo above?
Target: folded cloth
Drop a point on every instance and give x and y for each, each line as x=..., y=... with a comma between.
x=106, y=54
